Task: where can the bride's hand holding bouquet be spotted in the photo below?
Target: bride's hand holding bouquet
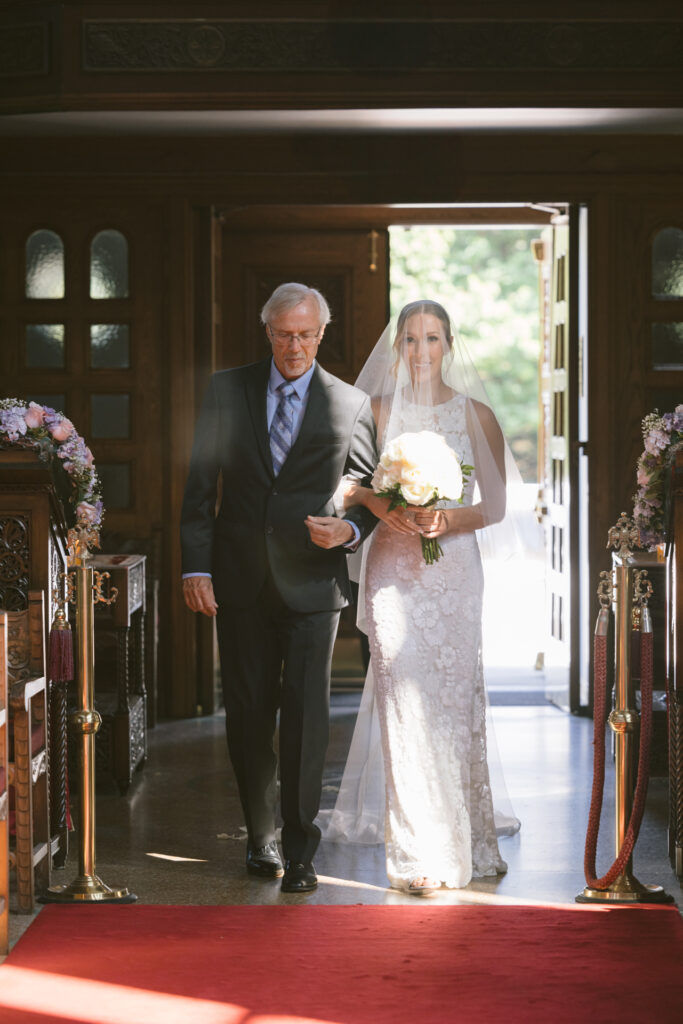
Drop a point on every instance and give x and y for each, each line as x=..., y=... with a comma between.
x=398, y=518
x=415, y=471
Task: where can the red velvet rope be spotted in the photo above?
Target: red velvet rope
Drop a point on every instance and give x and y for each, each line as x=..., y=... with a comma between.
x=600, y=721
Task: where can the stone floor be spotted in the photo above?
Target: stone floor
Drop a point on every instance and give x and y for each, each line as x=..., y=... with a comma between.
x=177, y=838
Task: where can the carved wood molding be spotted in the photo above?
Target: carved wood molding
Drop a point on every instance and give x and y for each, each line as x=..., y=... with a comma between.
x=14, y=562
x=139, y=44
x=18, y=652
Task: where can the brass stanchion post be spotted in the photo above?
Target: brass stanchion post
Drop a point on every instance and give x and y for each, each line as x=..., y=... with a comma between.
x=624, y=719
x=87, y=887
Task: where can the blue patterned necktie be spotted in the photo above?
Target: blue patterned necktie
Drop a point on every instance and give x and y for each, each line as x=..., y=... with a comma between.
x=282, y=426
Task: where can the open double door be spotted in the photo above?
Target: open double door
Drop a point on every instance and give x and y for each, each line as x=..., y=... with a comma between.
x=346, y=255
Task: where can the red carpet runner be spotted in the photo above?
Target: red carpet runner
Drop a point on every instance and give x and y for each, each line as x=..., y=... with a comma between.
x=346, y=965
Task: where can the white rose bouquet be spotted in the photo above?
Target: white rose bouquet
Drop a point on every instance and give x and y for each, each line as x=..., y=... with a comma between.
x=420, y=469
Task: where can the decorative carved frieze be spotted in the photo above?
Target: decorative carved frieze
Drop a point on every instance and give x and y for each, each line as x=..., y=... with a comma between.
x=18, y=647
x=225, y=45
x=23, y=50
x=14, y=562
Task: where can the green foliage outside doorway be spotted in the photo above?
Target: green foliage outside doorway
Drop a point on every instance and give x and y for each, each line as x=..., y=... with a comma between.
x=488, y=281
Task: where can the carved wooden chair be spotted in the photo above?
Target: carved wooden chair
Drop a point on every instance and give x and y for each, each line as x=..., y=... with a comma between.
x=4, y=791
x=28, y=771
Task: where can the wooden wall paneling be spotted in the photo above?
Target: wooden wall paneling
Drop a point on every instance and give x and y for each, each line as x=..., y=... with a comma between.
x=629, y=363
x=354, y=168
x=236, y=55
x=664, y=387
x=614, y=175
x=179, y=684
x=338, y=262
x=77, y=221
x=349, y=217
x=603, y=332
x=77, y=218
x=207, y=308
x=639, y=387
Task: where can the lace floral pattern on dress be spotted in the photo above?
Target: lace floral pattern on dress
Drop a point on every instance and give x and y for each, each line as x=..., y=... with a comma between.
x=424, y=626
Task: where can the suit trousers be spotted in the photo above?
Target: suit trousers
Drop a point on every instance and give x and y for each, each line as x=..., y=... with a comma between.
x=273, y=657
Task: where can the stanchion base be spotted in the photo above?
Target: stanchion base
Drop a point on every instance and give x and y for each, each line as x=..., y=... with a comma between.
x=641, y=894
x=87, y=889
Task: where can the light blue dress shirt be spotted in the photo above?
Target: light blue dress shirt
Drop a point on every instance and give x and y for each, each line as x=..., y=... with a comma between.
x=299, y=401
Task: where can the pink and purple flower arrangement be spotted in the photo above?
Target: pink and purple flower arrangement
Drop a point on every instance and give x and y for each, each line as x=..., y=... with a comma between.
x=662, y=437
x=57, y=442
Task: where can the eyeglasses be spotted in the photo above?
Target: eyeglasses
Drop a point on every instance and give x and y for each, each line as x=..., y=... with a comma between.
x=284, y=337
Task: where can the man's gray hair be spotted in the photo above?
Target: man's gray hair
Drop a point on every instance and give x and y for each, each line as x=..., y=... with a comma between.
x=287, y=296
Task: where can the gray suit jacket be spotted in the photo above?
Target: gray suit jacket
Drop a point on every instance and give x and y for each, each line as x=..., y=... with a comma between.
x=260, y=525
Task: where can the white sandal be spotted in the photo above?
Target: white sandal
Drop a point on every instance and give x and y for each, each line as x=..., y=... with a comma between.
x=423, y=886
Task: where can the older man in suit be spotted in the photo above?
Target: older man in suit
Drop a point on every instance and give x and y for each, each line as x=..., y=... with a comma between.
x=271, y=565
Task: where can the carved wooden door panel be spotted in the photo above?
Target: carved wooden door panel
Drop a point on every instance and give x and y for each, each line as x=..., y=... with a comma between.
x=350, y=268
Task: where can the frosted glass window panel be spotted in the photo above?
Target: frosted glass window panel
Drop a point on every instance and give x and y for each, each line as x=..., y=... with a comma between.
x=115, y=480
x=667, y=264
x=109, y=265
x=44, y=347
x=44, y=265
x=110, y=415
x=52, y=401
x=110, y=346
x=667, y=346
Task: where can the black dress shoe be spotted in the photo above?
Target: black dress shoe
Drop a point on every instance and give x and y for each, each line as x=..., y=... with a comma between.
x=299, y=877
x=264, y=861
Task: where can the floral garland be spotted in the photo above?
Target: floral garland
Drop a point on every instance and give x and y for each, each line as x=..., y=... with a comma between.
x=55, y=438
x=663, y=437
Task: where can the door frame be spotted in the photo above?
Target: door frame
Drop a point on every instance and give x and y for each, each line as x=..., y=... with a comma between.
x=471, y=215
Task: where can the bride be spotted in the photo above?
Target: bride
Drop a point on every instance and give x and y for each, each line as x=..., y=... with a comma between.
x=421, y=731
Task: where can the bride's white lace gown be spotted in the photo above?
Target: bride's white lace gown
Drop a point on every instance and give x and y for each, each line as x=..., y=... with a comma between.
x=424, y=627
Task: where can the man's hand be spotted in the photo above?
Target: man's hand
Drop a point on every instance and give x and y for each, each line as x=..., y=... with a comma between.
x=199, y=596
x=329, y=531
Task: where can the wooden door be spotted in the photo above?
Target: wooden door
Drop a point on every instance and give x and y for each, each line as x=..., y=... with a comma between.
x=81, y=298
x=350, y=268
x=81, y=290
x=562, y=497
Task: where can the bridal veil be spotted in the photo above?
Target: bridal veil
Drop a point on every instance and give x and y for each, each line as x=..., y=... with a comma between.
x=398, y=380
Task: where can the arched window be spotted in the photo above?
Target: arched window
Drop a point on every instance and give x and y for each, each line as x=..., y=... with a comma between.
x=109, y=265
x=44, y=277
x=667, y=264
